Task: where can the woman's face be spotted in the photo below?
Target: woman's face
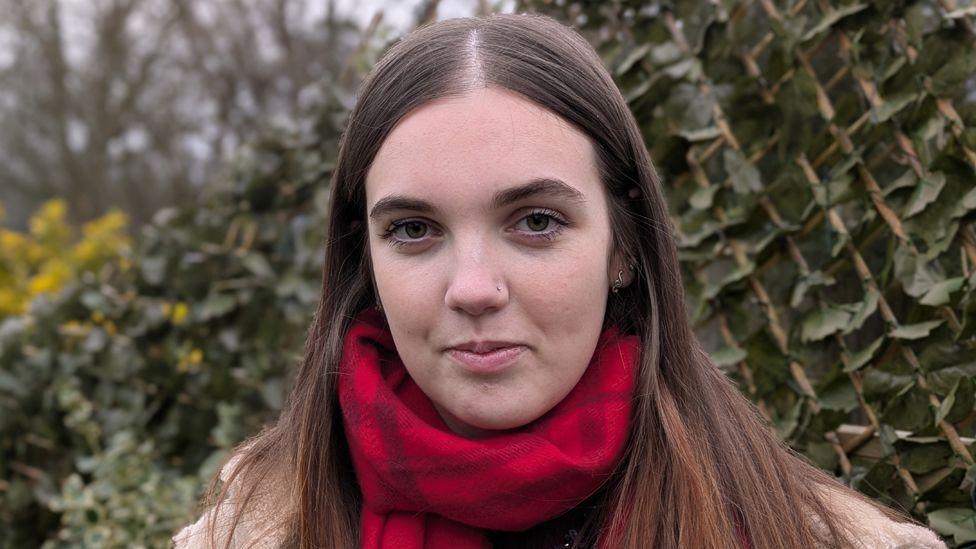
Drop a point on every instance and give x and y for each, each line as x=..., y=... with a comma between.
x=489, y=238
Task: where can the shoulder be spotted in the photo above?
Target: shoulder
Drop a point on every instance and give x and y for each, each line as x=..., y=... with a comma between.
x=872, y=529
x=254, y=530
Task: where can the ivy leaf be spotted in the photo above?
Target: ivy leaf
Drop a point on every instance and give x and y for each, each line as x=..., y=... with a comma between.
x=812, y=280
x=830, y=18
x=921, y=458
x=743, y=174
x=217, y=304
x=862, y=311
x=703, y=197
x=859, y=359
x=728, y=356
x=907, y=179
x=634, y=56
x=703, y=134
x=838, y=395
x=915, y=331
x=960, y=523
x=926, y=191
x=913, y=272
x=947, y=404
x=890, y=106
x=940, y=292
x=824, y=322
x=888, y=437
x=258, y=265
x=665, y=54
x=963, y=399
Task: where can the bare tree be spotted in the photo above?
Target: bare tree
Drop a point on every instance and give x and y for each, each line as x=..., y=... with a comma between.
x=136, y=103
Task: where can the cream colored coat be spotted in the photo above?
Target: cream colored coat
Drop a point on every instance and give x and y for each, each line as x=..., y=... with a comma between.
x=874, y=530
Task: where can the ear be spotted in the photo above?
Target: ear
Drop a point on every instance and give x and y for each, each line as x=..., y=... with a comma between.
x=621, y=262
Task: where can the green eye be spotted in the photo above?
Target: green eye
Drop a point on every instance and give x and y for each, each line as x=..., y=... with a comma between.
x=537, y=222
x=415, y=229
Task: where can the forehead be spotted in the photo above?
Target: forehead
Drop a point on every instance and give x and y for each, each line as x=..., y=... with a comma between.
x=485, y=140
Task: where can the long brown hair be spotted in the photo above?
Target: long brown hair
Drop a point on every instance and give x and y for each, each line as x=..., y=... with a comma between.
x=700, y=458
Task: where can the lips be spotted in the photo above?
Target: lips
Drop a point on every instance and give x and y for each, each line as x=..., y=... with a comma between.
x=484, y=357
x=482, y=347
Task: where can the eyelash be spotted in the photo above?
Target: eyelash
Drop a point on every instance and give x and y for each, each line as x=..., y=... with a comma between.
x=553, y=215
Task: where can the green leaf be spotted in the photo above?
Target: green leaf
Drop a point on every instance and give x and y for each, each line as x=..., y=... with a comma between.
x=960, y=523
x=634, y=56
x=217, y=304
x=824, y=322
x=830, y=18
x=888, y=437
x=862, y=311
x=859, y=359
x=947, y=404
x=890, y=106
x=703, y=134
x=926, y=191
x=703, y=197
x=743, y=174
x=940, y=292
x=921, y=458
x=915, y=331
x=913, y=272
x=838, y=395
x=153, y=269
x=963, y=400
x=666, y=53
x=258, y=265
x=806, y=283
x=907, y=179
x=787, y=424
x=728, y=356
x=909, y=410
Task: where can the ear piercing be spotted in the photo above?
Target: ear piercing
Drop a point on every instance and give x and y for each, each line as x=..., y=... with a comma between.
x=619, y=283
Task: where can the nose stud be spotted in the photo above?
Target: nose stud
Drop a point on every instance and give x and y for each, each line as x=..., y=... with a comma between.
x=499, y=288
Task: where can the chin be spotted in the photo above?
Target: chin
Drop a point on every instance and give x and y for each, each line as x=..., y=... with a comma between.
x=496, y=421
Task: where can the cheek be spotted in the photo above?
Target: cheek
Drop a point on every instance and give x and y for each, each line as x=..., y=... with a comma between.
x=574, y=284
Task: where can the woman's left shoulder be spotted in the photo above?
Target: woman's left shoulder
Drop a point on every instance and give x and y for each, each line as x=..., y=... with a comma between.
x=872, y=529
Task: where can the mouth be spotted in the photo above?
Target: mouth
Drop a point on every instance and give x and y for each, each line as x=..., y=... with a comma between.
x=486, y=357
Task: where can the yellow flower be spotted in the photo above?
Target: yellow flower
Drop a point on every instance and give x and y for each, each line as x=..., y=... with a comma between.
x=74, y=328
x=196, y=356
x=48, y=225
x=179, y=313
x=110, y=328
x=53, y=275
x=15, y=247
x=112, y=223
x=104, y=238
x=11, y=302
x=191, y=359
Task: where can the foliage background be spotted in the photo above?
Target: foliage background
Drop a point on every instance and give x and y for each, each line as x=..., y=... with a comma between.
x=819, y=163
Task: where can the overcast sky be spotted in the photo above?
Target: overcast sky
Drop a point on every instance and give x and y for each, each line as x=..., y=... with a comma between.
x=400, y=14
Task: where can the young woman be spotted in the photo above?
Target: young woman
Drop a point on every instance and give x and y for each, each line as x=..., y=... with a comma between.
x=500, y=356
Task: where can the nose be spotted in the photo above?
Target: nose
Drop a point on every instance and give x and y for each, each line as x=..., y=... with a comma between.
x=476, y=286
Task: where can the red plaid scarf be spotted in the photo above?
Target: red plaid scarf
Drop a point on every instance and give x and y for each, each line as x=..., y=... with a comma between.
x=425, y=487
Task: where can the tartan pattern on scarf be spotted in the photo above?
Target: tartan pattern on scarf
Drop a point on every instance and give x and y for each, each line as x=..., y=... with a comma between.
x=424, y=486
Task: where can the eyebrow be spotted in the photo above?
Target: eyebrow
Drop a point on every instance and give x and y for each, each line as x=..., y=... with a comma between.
x=540, y=186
